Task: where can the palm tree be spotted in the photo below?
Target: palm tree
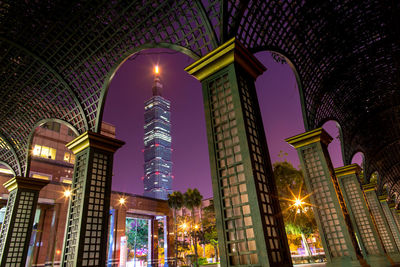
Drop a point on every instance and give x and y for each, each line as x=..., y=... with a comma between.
x=192, y=199
x=175, y=202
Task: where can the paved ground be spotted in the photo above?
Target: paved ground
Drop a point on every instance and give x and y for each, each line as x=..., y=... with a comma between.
x=310, y=265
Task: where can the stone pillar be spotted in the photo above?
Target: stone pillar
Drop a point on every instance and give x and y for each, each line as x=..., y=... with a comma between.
x=43, y=241
x=360, y=216
x=154, y=236
x=248, y=216
x=16, y=230
x=120, y=230
x=380, y=221
x=389, y=217
x=337, y=234
x=85, y=241
x=171, y=240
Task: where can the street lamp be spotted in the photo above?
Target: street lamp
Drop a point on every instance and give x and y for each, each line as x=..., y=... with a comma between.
x=67, y=193
x=122, y=201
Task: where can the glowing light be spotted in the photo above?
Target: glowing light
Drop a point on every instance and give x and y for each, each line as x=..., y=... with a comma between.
x=196, y=227
x=156, y=70
x=122, y=201
x=298, y=203
x=67, y=193
x=58, y=251
x=184, y=225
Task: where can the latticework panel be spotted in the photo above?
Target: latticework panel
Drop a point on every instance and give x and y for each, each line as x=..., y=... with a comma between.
x=20, y=226
x=57, y=57
x=392, y=223
x=328, y=203
x=347, y=57
x=7, y=220
x=95, y=212
x=266, y=189
x=362, y=217
x=396, y=218
x=75, y=210
x=238, y=223
x=380, y=221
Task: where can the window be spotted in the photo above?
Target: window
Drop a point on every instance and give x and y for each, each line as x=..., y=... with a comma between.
x=44, y=152
x=54, y=126
x=41, y=176
x=66, y=180
x=69, y=157
x=71, y=133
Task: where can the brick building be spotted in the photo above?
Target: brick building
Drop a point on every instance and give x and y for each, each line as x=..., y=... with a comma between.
x=51, y=160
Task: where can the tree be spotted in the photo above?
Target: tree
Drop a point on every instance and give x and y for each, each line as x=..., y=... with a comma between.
x=192, y=199
x=210, y=235
x=175, y=202
x=298, y=214
x=137, y=235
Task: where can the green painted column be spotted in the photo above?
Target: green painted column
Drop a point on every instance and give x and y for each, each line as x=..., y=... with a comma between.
x=250, y=226
x=380, y=221
x=363, y=225
x=396, y=217
x=16, y=229
x=390, y=219
x=337, y=235
x=85, y=240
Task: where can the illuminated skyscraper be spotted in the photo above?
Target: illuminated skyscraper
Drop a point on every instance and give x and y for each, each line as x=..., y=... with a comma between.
x=157, y=144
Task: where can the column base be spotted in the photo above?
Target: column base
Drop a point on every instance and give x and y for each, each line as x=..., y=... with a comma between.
x=347, y=262
x=395, y=257
x=378, y=261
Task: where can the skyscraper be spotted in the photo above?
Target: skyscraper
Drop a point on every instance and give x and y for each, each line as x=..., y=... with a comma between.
x=157, y=144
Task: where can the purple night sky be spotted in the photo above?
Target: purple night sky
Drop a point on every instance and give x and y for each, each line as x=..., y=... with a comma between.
x=131, y=86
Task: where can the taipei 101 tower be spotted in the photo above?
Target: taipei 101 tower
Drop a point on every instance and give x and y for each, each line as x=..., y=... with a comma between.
x=157, y=143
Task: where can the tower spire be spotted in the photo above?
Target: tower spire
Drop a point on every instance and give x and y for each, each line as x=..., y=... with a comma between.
x=157, y=87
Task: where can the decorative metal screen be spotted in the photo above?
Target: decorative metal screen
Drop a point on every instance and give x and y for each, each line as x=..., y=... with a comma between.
x=7, y=219
x=396, y=218
x=75, y=210
x=392, y=224
x=24, y=211
x=238, y=224
x=361, y=216
x=265, y=187
x=95, y=212
x=325, y=208
x=380, y=221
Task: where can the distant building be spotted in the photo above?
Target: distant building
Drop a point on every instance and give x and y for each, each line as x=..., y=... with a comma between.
x=51, y=160
x=157, y=177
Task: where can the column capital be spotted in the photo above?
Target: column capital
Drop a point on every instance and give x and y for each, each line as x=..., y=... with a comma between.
x=91, y=139
x=383, y=198
x=348, y=169
x=313, y=136
x=25, y=183
x=369, y=187
x=229, y=52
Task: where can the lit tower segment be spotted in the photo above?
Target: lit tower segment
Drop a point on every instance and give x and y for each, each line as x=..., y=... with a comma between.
x=157, y=144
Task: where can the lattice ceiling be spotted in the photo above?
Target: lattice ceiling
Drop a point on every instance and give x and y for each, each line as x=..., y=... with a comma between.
x=57, y=58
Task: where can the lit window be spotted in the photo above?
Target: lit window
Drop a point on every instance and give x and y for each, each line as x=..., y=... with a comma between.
x=6, y=171
x=41, y=176
x=69, y=157
x=44, y=152
x=66, y=180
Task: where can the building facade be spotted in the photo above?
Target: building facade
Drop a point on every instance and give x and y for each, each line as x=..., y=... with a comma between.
x=51, y=160
x=157, y=177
